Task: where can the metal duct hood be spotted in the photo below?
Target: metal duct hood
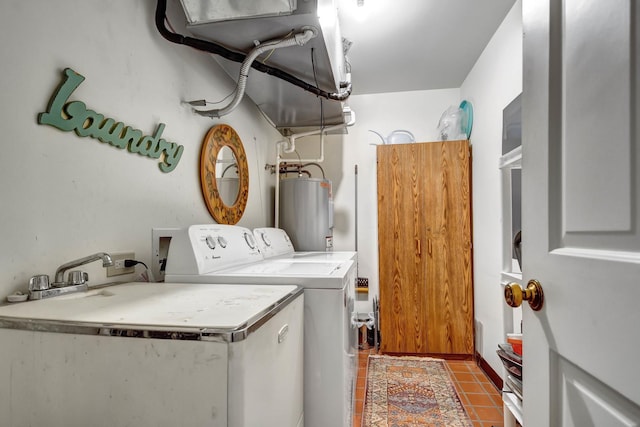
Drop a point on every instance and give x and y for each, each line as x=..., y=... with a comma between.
x=239, y=24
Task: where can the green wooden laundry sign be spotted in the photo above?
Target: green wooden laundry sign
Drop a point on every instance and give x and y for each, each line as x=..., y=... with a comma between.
x=74, y=116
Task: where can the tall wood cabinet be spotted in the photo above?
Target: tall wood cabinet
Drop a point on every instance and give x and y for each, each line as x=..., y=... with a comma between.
x=424, y=237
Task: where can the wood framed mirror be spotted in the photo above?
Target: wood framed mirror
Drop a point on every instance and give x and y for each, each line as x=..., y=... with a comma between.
x=224, y=174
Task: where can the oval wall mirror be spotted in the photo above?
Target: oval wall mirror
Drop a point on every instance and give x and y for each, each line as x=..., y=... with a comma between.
x=227, y=176
x=224, y=174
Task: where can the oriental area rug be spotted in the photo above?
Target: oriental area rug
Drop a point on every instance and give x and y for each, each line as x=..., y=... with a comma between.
x=411, y=392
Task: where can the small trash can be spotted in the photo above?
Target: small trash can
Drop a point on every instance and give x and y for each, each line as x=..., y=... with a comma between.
x=365, y=323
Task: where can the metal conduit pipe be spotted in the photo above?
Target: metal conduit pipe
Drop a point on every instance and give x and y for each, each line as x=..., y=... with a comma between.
x=299, y=39
x=299, y=166
x=300, y=172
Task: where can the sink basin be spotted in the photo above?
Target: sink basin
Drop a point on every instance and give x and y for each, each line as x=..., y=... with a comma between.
x=66, y=292
x=87, y=294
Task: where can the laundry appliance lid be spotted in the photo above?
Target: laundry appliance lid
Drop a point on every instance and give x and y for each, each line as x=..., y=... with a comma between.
x=156, y=306
x=317, y=256
x=308, y=275
x=284, y=268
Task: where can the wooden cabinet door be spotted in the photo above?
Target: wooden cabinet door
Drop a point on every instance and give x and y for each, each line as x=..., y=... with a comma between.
x=403, y=314
x=449, y=262
x=426, y=303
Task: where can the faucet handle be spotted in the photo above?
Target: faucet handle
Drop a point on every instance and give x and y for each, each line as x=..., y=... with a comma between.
x=39, y=282
x=77, y=277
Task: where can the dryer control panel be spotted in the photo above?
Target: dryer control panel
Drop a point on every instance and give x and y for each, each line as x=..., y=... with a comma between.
x=273, y=242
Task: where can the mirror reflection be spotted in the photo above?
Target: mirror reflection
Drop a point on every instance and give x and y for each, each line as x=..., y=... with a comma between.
x=224, y=174
x=227, y=177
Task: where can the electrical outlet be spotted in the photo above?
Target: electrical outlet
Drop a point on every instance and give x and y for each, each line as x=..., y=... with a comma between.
x=118, y=268
x=160, y=240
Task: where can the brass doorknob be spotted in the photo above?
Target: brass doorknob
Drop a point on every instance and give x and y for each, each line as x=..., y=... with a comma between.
x=514, y=294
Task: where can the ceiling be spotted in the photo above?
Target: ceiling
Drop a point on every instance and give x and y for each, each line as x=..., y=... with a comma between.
x=393, y=46
x=406, y=45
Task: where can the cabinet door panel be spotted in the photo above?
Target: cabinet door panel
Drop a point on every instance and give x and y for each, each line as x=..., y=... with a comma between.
x=424, y=237
x=449, y=283
x=403, y=319
x=449, y=301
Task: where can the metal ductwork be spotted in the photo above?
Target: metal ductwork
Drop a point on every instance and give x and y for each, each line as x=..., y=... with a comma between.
x=241, y=25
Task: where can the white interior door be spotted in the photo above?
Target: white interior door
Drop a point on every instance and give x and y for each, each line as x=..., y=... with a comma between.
x=581, y=212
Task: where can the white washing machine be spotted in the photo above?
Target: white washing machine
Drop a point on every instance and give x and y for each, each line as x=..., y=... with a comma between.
x=274, y=243
x=216, y=253
x=154, y=354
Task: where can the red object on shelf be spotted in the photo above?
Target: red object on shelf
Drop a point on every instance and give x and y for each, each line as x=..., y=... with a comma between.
x=516, y=342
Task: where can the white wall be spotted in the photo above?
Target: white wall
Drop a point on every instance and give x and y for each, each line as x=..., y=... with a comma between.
x=64, y=197
x=417, y=112
x=494, y=81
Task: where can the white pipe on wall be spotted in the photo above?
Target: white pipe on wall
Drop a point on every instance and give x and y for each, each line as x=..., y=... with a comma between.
x=291, y=147
x=276, y=217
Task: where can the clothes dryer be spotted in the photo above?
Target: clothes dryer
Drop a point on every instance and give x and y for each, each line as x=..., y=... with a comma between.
x=217, y=253
x=274, y=243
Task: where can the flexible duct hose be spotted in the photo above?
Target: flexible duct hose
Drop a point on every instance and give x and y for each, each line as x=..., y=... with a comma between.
x=217, y=49
x=297, y=39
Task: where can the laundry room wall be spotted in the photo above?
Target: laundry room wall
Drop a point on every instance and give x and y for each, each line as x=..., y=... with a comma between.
x=65, y=197
x=494, y=81
x=417, y=112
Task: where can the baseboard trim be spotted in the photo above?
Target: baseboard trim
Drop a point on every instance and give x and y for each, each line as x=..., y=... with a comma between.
x=446, y=356
x=487, y=369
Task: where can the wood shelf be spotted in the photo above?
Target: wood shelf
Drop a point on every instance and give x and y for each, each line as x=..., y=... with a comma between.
x=512, y=408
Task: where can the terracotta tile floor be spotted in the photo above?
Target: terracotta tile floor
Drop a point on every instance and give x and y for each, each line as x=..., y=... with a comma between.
x=480, y=397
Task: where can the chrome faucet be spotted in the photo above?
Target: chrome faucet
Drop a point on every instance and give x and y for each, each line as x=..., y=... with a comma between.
x=59, y=279
x=40, y=288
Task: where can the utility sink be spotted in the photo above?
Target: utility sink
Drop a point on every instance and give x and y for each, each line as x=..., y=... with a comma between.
x=148, y=306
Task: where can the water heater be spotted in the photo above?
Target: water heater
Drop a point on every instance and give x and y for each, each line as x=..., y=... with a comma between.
x=306, y=213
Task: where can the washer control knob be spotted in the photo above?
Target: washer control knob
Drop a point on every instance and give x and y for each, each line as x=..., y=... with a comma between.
x=250, y=241
x=210, y=242
x=222, y=241
x=265, y=239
